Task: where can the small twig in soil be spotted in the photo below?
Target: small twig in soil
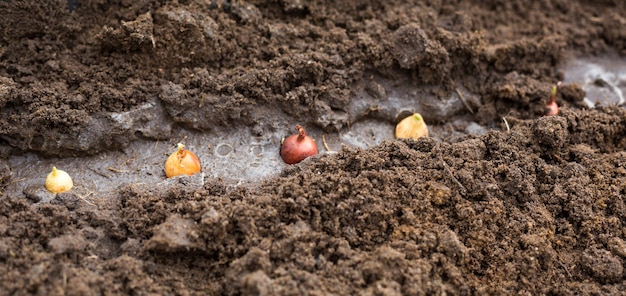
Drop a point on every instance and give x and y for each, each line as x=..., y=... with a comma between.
x=84, y=198
x=130, y=160
x=558, y=158
x=445, y=165
x=324, y=142
x=91, y=257
x=506, y=123
x=374, y=108
x=15, y=181
x=100, y=173
x=201, y=102
x=462, y=97
x=564, y=267
x=116, y=170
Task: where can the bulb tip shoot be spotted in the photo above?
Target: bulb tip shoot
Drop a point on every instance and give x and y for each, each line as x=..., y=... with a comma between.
x=301, y=131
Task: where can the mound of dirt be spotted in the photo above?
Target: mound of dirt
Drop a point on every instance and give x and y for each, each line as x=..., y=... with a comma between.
x=536, y=208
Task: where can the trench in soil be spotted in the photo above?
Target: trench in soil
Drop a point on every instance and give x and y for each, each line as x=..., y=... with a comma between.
x=238, y=157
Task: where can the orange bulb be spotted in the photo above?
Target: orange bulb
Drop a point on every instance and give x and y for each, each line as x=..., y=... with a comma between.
x=182, y=162
x=412, y=127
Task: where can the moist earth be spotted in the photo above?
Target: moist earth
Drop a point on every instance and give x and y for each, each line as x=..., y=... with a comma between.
x=533, y=206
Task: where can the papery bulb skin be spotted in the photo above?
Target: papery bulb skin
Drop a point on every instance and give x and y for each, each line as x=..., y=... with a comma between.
x=297, y=147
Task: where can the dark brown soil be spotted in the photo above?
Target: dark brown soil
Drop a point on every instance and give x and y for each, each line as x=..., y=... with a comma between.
x=537, y=209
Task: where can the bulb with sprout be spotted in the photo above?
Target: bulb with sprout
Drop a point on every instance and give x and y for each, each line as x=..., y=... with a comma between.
x=58, y=181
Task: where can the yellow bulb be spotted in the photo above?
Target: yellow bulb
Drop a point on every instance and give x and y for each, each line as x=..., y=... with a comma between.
x=58, y=181
x=412, y=127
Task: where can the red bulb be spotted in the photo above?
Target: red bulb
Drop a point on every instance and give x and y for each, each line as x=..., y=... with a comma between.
x=296, y=148
x=552, y=106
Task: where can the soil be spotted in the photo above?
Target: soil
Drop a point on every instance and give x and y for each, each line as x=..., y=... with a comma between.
x=533, y=205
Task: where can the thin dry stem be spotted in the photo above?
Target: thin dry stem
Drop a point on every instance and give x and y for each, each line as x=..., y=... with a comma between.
x=324, y=142
x=506, y=123
x=445, y=165
x=462, y=97
x=116, y=170
x=84, y=198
